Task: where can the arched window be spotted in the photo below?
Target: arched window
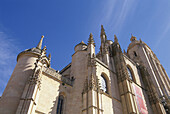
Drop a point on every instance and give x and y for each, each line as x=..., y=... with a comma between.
x=60, y=104
x=130, y=73
x=104, y=84
x=135, y=54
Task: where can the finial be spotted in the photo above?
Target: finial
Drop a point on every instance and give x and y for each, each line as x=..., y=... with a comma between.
x=82, y=42
x=42, y=36
x=91, y=40
x=39, y=46
x=133, y=38
x=115, y=39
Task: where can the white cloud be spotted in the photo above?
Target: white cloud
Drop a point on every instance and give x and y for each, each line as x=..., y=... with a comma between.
x=162, y=36
x=115, y=13
x=8, y=53
x=107, y=12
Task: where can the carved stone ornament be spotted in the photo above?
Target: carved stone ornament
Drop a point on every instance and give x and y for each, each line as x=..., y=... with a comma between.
x=92, y=82
x=35, y=79
x=91, y=61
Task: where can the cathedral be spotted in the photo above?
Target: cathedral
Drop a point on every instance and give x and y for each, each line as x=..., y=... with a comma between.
x=107, y=82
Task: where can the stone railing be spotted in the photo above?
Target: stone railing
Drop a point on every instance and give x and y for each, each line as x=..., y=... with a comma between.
x=54, y=74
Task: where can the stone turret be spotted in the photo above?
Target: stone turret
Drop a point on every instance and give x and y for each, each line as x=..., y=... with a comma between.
x=23, y=70
x=78, y=72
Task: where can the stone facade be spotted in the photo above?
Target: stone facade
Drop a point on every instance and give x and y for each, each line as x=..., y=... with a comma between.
x=109, y=82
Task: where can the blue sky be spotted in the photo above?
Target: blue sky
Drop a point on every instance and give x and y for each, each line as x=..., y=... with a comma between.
x=65, y=23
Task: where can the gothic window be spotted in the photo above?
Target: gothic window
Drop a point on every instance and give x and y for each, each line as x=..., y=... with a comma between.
x=104, y=84
x=130, y=73
x=60, y=104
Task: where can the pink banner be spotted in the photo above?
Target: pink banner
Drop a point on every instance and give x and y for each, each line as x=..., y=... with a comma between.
x=140, y=100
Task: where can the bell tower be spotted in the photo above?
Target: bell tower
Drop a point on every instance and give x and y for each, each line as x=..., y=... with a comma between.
x=154, y=78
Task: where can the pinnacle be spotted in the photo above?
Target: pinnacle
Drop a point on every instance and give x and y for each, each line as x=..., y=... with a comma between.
x=102, y=30
x=91, y=36
x=91, y=40
x=39, y=46
x=49, y=56
x=115, y=39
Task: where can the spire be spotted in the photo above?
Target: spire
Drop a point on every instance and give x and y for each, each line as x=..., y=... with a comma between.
x=40, y=43
x=103, y=35
x=115, y=39
x=91, y=40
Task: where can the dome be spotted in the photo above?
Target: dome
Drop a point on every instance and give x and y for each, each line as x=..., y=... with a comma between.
x=134, y=42
x=80, y=46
